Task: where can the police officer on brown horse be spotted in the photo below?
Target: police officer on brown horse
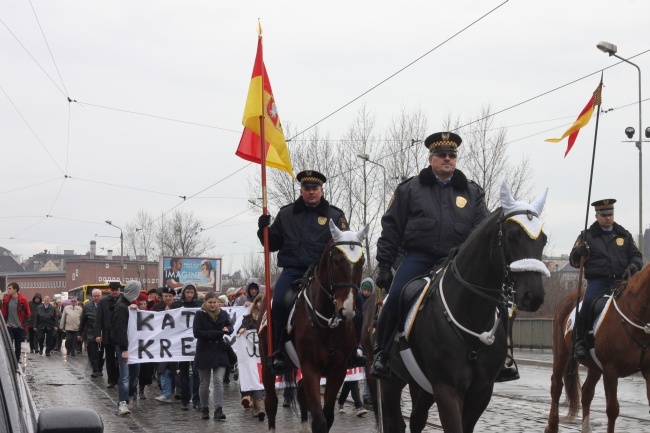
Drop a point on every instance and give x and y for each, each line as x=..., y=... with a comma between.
x=610, y=255
x=428, y=215
x=300, y=233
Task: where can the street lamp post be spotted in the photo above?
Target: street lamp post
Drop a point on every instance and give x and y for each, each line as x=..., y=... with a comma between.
x=611, y=49
x=366, y=158
x=110, y=223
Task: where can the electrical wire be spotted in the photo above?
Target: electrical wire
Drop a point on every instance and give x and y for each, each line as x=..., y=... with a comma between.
x=29, y=186
x=48, y=47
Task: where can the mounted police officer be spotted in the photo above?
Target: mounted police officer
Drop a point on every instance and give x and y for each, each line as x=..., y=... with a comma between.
x=428, y=215
x=300, y=233
x=610, y=255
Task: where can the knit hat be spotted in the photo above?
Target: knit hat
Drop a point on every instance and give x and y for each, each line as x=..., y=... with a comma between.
x=132, y=290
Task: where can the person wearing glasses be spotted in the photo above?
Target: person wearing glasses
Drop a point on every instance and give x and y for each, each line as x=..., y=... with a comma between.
x=429, y=214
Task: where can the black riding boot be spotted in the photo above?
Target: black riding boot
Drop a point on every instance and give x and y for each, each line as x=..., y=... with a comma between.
x=386, y=324
x=581, y=349
x=279, y=365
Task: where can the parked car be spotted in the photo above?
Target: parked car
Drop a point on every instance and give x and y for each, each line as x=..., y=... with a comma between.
x=18, y=413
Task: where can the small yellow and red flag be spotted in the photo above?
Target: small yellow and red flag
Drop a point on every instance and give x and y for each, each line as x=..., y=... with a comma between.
x=582, y=120
x=261, y=103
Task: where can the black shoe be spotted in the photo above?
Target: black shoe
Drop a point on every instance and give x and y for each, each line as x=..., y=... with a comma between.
x=93, y=374
x=197, y=406
x=508, y=373
x=48, y=354
x=40, y=352
x=581, y=351
x=381, y=366
x=219, y=415
x=285, y=403
x=177, y=397
x=142, y=396
x=100, y=374
x=185, y=406
x=205, y=413
x=367, y=401
x=357, y=359
x=110, y=385
x=279, y=365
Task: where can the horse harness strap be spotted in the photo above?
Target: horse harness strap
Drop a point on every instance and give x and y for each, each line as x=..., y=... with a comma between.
x=625, y=321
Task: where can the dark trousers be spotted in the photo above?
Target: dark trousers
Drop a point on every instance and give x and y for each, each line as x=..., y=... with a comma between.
x=414, y=264
x=352, y=386
x=287, y=277
x=95, y=356
x=184, y=376
x=71, y=342
x=595, y=288
x=33, y=339
x=111, y=363
x=46, y=339
x=16, y=335
x=60, y=336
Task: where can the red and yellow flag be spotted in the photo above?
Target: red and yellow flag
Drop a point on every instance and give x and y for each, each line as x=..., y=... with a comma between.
x=261, y=103
x=582, y=120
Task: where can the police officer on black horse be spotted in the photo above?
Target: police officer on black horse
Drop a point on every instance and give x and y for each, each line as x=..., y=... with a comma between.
x=610, y=255
x=428, y=215
x=300, y=233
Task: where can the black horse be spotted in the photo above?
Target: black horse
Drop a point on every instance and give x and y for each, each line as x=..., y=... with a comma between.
x=457, y=339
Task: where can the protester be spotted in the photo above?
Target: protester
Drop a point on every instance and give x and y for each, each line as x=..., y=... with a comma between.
x=47, y=323
x=231, y=293
x=254, y=399
x=145, y=377
x=211, y=323
x=106, y=339
x=16, y=312
x=89, y=330
x=165, y=370
x=252, y=290
x=70, y=320
x=367, y=288
x=120, y=325
x=32, y=332
x=152, y=298
x=59, y=333
x=188, y=299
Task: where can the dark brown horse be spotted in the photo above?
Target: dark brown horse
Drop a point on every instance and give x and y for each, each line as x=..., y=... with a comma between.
x=621, y=343
x=457, y=339
x=323, y=333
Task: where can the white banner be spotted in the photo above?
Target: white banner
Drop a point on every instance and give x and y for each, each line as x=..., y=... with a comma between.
x=167, y=336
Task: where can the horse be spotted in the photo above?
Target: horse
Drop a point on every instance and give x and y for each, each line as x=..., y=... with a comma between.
x=451, y=361
x=322, y=334
x=621, y=343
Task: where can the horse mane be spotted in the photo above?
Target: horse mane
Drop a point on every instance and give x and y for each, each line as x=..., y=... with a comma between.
x=490, y=221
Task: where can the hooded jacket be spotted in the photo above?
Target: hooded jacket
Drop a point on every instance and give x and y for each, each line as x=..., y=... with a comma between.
x=241, y=301
x=181, y=303
x=33, y=305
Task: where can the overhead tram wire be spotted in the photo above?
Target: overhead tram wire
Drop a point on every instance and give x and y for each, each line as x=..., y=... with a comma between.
x=48, y=47
x=227, y=219
x=57, y=196
x=29, y=186
x=123, y=186
x=402, y=69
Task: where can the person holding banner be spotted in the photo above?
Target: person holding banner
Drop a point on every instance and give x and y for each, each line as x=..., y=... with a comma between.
x=300, y=234
x=120, y=325
x=165, y=369
x=211, y=323
x=254, y=399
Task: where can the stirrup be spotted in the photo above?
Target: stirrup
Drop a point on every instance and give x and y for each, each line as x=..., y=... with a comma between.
x=508, y=372
x=278, y=364
x=381, y=366
x=581, y=350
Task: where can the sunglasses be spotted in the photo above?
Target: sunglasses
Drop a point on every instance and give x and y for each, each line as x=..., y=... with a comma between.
x=443, y=155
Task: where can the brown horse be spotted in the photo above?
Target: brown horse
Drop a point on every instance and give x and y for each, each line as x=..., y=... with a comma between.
x=621, y=343
x=323, y=333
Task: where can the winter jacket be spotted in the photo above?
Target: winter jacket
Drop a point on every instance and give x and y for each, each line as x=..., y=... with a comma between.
x=300, y=233
x=241, y=301
x=46, y=318
x=180, y=303
x=23, y=308
x=428, y=217
x=210, y=346
x=103, y=320
x=71, y=317
x=33, y=305
x=88, y=321
x=120, y=322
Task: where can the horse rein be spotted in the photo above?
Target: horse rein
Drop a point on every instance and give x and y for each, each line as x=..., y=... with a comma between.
x=330, y=292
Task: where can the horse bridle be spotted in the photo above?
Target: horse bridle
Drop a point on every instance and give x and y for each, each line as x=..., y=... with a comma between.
x=330, y=291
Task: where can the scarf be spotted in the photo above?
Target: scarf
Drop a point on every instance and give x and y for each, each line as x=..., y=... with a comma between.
x=211, y=314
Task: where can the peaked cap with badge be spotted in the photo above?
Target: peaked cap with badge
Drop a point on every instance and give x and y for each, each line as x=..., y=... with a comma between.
x=443, y=141
x=604, y=207
x=311, y=178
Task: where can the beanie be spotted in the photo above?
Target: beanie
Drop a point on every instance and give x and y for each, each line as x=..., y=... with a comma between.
x=132, y=290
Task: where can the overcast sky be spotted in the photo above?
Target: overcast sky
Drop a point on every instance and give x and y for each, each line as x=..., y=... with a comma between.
x=192, y=60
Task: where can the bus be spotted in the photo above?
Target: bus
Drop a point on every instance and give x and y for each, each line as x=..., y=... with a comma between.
x=84, y=293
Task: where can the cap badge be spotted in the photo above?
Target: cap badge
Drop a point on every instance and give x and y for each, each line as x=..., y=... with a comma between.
x=445, y=136
x=461, y=202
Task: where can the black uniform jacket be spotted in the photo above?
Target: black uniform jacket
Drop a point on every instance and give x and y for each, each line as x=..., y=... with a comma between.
x=609, y=252
x=300, y=233
x=429, y=217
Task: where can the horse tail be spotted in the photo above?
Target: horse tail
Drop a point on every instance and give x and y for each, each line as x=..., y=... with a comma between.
x=291, y=385
x=572, y=387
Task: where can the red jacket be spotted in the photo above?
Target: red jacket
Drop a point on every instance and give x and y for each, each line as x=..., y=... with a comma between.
x=23, y=308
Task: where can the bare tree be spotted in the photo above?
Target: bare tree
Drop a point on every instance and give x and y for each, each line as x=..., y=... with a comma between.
x=181, y=235
x=253, y=267
x=140, y=238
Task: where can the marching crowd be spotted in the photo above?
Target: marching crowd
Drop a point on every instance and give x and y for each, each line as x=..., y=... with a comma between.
x=100, y=326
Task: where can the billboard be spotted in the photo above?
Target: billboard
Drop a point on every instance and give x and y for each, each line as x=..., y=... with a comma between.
x=203, y=272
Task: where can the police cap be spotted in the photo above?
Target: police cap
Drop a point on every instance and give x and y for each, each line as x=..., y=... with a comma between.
x=442, y=141
x=311, y=178
x=604, y=207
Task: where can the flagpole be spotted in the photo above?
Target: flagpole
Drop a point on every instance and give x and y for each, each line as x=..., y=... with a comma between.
x=582, y=258
x=265, y=211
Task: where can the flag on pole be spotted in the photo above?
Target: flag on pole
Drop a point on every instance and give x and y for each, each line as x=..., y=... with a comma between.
x=582, y=120
x=261, y=103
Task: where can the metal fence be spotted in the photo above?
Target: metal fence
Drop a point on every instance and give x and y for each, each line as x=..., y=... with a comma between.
x=533, y=333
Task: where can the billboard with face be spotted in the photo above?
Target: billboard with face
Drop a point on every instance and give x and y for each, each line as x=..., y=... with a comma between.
x=204, y=273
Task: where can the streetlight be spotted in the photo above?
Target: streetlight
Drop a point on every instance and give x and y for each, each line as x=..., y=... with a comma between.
x=611, y=49
x=110, y=223
x=366, y=158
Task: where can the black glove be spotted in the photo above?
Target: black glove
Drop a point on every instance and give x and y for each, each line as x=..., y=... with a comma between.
x=264, y=221
x=583, y=250
x=629, y=271
x=384, y=277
